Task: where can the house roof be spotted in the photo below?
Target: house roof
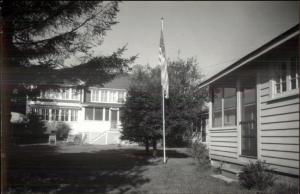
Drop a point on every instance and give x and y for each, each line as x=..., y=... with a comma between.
x=120, y=82
x=292, y=32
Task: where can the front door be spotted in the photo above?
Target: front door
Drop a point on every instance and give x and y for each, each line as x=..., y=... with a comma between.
x=249, y=123
x=114, y=119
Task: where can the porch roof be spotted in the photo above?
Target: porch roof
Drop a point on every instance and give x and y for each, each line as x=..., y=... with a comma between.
x=292, y=32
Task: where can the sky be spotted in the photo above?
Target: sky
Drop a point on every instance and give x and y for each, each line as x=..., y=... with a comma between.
x=215, y=33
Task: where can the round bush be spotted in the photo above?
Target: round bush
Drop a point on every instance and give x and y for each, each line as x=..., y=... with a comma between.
x=256, y=175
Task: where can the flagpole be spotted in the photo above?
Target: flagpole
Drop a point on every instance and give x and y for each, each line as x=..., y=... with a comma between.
x=163, y=108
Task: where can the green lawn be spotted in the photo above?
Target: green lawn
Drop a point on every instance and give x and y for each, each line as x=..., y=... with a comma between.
x=108, y=169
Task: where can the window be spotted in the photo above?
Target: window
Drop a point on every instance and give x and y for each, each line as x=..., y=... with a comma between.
x=217, y=107
x=107, y=114
x=65, y=94
x=94, y=114
x=74, y=94
x=43, y=114
x=103, y=96
x=113, y=96
x=121, y=96
x=294, y=79
x=223, y=106
x=55, y=114
x=95, y=95
x=229, y=106
x=64, y=116
x=88, y=113
x=286, y=76
x=74, y=115
x=98, y=113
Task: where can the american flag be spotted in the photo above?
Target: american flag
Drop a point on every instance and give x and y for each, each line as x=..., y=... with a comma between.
x=163, y=65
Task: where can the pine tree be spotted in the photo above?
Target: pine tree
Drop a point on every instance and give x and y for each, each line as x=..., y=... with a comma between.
x=36, y=39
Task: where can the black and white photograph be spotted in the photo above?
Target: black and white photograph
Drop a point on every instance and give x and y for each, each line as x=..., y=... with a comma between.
x=150, y=97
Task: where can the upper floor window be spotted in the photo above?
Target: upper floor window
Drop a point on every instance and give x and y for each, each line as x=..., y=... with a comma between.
x=223, y=106
x=74, y=94
x=286, y=76
x=62, y=94
x=104, y=95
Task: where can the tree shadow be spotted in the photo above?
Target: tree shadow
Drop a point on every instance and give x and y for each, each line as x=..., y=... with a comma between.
x=45, y=169
x=172, y=154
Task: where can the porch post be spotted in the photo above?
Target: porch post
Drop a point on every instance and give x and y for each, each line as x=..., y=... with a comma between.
x=209, y=114
x=238, y=115
x=258, y=113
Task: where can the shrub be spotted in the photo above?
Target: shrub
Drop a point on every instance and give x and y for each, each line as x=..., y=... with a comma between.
x=200, y=152
x=256, y=175
x=62, y=131
x=31, y=132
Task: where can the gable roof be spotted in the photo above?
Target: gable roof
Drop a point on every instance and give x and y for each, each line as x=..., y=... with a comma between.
x=292, y=32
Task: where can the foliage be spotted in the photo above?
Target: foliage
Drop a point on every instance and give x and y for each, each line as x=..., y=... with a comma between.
x=186, y=100
x=40, y=38
x=46, y=33
x=62, y=131
x=142, y=118
x=200, y=152
x=31, y=132
x=256, y=175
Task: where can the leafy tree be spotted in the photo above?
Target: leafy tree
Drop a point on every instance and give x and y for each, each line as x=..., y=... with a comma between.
x=142, y=118
x=142, y=115
x=186, y=100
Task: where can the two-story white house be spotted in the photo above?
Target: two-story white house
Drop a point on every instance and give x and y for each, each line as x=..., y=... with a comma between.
x=93, y=112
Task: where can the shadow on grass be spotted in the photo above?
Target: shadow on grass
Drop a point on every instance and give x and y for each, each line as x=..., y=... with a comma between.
x=44, y=169
x=172, y=154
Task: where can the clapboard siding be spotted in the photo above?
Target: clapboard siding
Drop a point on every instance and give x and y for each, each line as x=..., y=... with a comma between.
x=265, y=98
x=280, y=133
x=292, y=108
x=287, y=170
x=291, y=140
x=227, y=134
x=280, y=154
x=223, y=143
x=283, y=102
x=281, y=161
x=223, y=153
x=282, y=125
x=223, y=148
x=280, y=147
x=281, y=118
x=264, y=91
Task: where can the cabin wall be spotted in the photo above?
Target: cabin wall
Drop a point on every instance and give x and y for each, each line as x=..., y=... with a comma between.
x=279, y=127
x=277, y=130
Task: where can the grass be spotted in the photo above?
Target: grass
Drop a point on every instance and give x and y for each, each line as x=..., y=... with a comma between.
x=108, y=169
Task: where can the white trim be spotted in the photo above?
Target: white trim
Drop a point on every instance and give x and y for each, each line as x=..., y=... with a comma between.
x=239, y=116
x=258, y=115
x=289, y=92
x=284, y=95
